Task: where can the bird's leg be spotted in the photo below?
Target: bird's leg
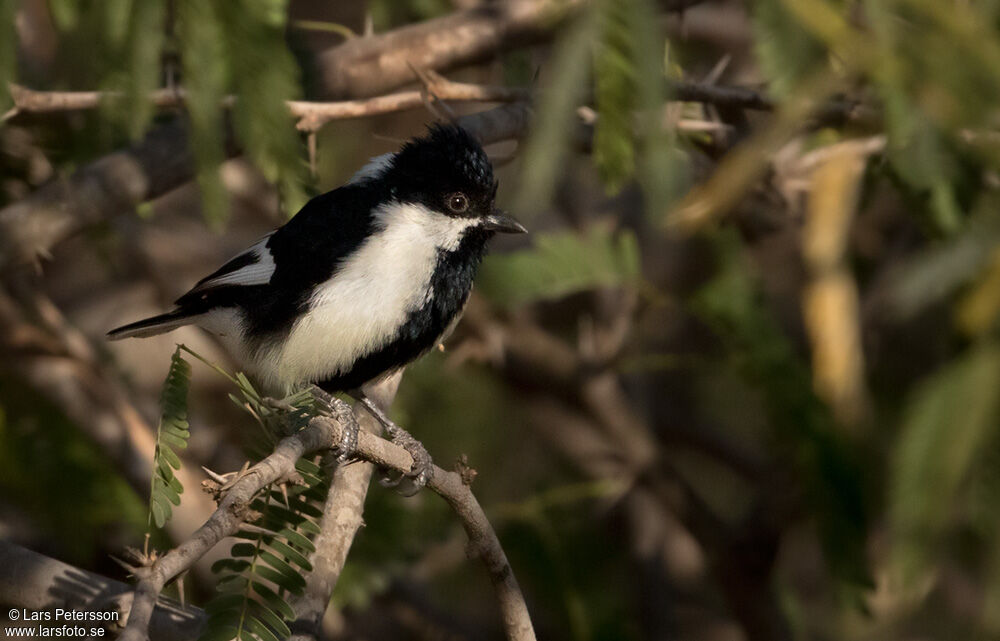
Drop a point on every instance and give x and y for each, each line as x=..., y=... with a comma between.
x=423, y=467
x=335, y=407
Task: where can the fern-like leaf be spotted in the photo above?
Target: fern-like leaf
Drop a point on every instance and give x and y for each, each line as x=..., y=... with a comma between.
x=615, y=94
x=172, y=433
x=270, y=561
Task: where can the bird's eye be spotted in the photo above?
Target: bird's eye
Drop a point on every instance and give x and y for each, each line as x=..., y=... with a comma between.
x=458, y=202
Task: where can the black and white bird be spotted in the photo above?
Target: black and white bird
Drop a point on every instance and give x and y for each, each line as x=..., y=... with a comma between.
x=361, y=281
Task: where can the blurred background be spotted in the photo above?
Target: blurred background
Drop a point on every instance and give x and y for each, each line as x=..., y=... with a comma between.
x=740, y=382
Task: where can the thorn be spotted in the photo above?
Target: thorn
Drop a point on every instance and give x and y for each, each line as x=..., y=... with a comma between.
x=284, y=494
x=717, y=71
x=440, y=347
x=127, y=566
x=215, y=476
x=429, y=80
x=180, y=589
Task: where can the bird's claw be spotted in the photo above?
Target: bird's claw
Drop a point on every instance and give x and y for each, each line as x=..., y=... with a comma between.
x=348, y=445
x=421, y=471
x=332, y=406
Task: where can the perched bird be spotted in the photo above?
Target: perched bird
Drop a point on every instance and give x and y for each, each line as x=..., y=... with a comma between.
x=361, y=281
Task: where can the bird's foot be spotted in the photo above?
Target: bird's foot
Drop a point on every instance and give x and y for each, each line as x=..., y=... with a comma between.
x=342, y=412
x=422, y=469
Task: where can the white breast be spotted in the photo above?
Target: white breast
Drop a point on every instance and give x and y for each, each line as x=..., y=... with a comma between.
x=370, y=296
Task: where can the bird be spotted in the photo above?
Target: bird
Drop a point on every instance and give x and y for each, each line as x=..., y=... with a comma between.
x=362, y=281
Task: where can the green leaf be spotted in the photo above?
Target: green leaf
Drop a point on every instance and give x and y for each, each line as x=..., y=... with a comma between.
x=203, y=58
x=297, y=539
x=275, y=602
x=787, y=51
x=949, y=421
x=224, y=602
x=616, y=91
x=545, y=151
x=272, y=620
x=293, y=584
x=281, y=566
x=231, y=565
x=160, y=511
x=162, y=490
x=291, y=554
x=165, y=487
x=265, y=76
x=146, y=35
x=559, y=264
x=169, y=457
x=243, y=550
x=259, y=630
x=170, y=439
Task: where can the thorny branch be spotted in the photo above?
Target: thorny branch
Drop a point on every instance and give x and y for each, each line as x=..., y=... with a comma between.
x=323, y=432
x=310, y=116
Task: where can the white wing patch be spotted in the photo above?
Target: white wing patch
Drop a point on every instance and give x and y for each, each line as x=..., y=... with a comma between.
x=258, y=272
x=369, y=297
x=372, y=169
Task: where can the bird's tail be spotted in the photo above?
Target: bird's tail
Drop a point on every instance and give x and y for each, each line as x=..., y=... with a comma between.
x=153, y=325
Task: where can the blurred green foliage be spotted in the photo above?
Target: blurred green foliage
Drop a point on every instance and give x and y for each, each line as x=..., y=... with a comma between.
x=560, y=264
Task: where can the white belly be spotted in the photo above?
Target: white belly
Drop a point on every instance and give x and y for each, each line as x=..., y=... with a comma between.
x=362, y=307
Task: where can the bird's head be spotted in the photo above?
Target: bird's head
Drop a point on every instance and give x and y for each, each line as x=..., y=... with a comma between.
x=449, y=174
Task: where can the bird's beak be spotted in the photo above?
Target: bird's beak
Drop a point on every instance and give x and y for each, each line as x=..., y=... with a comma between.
x=502, y=222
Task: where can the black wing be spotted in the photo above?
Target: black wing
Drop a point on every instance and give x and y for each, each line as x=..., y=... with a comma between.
x=272, y=280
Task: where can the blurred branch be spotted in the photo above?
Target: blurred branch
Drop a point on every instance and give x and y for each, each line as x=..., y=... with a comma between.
x=109, y=186
x=370, y=65
x=324, y=433
x=311, y=116
x=36, y=582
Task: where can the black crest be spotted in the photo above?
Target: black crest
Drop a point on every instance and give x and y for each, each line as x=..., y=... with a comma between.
x=446, y=161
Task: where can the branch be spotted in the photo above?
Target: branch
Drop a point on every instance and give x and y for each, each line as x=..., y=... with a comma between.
x=117, y=183
x=35, y=582
x=371, y=65
x=225, y=521
x=311, y=116
x=324, y=433
x=111, y=185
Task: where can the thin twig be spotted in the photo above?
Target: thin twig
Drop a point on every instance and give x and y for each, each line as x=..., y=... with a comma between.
x=311, y=115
